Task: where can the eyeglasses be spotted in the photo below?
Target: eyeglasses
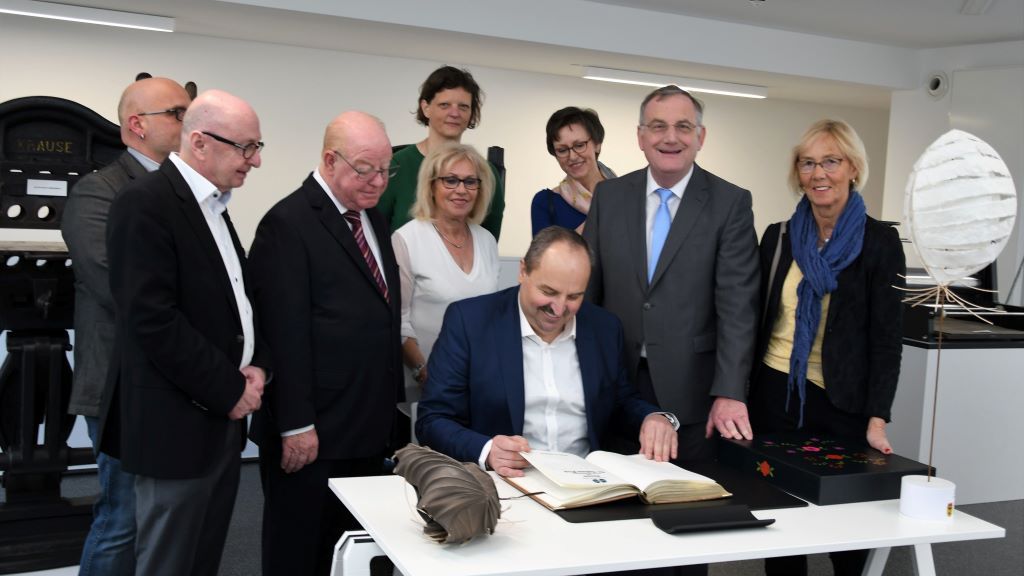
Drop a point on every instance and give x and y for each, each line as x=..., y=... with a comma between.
x=657, y=127
x=452, y=182
x=178, y=113
x=578, y=148
x=248, y=150
x=367, y=173
x=829, y=165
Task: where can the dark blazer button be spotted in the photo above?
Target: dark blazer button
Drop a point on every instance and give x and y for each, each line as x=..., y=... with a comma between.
x=240, y=339
x=647, y=306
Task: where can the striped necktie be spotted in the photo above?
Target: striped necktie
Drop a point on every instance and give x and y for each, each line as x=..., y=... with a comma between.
x=357, y=230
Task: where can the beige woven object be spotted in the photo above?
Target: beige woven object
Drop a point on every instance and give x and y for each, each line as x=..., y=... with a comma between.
x=457, y=500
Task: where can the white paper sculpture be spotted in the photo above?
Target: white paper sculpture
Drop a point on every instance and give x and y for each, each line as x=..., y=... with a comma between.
x=959, y=207
x=959, y=211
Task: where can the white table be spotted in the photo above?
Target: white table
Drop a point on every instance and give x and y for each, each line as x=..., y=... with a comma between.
x=530, y=540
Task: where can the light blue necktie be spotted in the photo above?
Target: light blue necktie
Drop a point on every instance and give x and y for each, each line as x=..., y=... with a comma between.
x=662, y=223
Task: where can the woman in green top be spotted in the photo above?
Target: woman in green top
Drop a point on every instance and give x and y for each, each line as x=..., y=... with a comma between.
x=450, y=102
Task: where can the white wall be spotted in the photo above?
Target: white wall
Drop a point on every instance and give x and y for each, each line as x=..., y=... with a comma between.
x=917, y=119
x=296, y=91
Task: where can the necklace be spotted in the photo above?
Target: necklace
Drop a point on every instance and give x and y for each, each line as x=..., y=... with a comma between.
x=447, y=239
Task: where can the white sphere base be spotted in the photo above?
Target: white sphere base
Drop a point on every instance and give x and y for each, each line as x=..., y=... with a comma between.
x=927, y=499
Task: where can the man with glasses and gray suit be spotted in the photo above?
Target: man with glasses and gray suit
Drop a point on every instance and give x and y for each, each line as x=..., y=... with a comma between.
x=677, y=262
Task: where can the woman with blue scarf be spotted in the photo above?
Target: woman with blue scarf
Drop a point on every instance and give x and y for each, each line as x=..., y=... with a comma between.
x=831, y=335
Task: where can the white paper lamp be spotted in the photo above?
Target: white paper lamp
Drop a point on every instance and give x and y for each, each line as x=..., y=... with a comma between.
x=960, y=206
x=959, y=211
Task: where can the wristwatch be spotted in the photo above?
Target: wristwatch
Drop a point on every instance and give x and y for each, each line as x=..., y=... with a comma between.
x=671, y=419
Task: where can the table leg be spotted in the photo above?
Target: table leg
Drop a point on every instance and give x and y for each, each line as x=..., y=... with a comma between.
x=877, y=558
x=352, y=554
x=924, y=563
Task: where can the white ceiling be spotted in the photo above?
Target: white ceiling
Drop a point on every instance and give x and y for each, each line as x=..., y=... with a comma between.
x=849, y=52
x=905, y=23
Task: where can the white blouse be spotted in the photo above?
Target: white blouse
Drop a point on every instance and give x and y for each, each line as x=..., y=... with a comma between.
x=431, y=279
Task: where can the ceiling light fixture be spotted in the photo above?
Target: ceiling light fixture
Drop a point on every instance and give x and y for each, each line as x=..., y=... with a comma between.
x=688, y=84
x=87, y=15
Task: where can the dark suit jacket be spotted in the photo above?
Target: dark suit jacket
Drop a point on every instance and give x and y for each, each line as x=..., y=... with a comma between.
x=84, y=227
x=475, y=384
x=336, y=341
x=699, y=314
x=863, y=342
x=179, y=338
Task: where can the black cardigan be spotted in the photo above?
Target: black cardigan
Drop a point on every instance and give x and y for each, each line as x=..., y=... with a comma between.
x=862, y=344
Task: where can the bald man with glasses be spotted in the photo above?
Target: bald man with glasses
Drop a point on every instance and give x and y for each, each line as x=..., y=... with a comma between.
x=328, y=295
x=189, y=365
x=150, y=113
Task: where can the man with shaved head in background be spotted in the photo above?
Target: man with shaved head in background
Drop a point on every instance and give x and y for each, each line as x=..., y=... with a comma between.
x=150, y=114
x=188, y=366
x=327, y=292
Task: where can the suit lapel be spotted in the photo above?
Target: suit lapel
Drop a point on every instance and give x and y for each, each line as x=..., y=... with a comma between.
x=194, y=216
x=132, y=168
x=510, y=359
x=587, y=353
x=690, y=207
x=636, y=224
x=336, y=226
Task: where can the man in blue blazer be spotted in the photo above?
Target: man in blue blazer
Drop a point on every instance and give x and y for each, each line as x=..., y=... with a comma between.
x=535, y=367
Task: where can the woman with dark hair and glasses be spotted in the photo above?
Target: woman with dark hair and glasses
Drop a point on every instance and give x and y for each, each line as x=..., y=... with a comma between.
x=450, y=102
x=574, y=138
x=831, y=332
x=443, y=254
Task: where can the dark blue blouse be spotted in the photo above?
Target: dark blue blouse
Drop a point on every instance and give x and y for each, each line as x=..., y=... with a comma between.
x=550, y=209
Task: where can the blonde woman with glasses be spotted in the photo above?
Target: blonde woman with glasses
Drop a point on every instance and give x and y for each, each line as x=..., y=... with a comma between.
x=443, y=253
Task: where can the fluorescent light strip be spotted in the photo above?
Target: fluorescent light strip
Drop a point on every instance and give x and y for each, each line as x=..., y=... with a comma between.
x=87, y=15
x=688, y=84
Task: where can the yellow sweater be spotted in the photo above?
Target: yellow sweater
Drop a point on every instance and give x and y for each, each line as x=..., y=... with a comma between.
x=780, y=346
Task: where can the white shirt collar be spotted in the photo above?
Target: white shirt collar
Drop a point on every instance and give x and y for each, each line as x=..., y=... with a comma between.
x=148, y=163
x=677, y=189
x=201, y=188
x=323, y=184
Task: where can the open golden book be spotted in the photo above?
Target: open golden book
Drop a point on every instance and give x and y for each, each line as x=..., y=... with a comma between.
x=561, y=481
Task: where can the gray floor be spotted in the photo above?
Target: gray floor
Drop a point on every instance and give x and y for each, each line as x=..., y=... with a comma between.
x=1004, y=557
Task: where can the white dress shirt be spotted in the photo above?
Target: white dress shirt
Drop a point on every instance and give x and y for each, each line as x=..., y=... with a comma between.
x=555, y=412
x=213, y=203
x=654, y=200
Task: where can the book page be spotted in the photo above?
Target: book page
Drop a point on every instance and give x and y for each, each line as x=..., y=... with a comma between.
x=557, y=497
x=642, y=472
x=571, y=471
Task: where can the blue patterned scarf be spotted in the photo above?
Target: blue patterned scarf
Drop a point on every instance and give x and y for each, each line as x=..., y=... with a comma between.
x=821, y=270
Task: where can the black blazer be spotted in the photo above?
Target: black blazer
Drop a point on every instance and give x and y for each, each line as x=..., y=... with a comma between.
x=175, y=369
x=337, y=339
x=863, y=339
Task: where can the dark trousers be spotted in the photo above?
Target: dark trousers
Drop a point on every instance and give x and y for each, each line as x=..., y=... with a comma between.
x=302, y=518
x=769, y=412
x=692, y=446
x=182, y=524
